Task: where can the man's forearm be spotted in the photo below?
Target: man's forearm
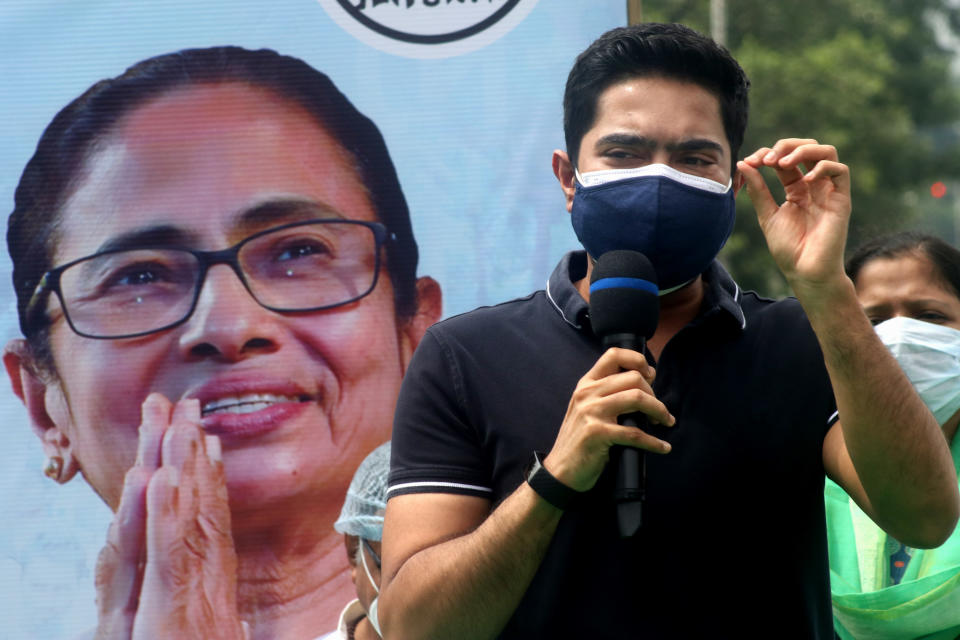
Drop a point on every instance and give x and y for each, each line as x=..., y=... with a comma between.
x=468, y=587
x=897, y=448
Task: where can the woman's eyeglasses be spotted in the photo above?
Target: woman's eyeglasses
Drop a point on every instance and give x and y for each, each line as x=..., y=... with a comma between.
x=298, y=267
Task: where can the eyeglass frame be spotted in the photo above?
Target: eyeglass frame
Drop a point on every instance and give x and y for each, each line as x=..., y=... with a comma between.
x=374, y=554
x=50, y=281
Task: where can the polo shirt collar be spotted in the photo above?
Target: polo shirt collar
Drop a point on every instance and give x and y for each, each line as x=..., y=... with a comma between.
x=721, y=293
x=563, y=294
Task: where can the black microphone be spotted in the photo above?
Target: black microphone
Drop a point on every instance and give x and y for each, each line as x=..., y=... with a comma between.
x=624, y=311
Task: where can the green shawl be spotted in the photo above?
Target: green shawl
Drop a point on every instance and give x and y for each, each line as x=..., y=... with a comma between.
x=866, y=606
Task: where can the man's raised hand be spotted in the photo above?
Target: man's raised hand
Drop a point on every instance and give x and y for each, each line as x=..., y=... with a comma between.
x=807, y=233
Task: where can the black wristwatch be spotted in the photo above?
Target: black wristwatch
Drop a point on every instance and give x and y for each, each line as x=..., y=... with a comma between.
x=549, y=488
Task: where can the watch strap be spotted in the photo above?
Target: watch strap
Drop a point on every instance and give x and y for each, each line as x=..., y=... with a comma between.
x=549, y=488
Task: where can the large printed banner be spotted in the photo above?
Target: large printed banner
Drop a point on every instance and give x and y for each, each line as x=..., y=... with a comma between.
x=467, y=95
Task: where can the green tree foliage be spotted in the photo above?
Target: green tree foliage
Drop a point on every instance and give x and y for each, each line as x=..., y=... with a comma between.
x=867, y=76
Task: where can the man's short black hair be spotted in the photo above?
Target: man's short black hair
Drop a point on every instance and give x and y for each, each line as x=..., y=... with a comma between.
x=659, y=50
x=944, y=257
x=73, y=134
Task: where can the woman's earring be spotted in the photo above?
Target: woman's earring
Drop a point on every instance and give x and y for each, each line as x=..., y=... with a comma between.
x=53, y=468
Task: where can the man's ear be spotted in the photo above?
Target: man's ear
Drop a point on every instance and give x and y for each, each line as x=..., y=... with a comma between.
x=563, y=169
x=36, y=390
x=429, y=307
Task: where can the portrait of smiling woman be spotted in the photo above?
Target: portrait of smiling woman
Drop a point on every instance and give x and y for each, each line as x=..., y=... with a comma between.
x=216, y=283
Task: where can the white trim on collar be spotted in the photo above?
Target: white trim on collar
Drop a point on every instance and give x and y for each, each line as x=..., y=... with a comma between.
x=559, y=310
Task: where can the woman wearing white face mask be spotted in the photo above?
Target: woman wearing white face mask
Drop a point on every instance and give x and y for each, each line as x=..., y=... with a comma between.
x=909, y=286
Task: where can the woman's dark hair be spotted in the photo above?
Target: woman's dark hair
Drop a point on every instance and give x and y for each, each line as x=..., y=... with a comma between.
x=654, y=49
x=944, y=258
x=69, y=139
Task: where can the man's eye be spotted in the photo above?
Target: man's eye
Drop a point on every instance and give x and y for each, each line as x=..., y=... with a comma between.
x=697, y=161
x=620, y=153
x=875, y=320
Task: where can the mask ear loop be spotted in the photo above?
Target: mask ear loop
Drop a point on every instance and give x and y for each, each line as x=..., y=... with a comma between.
x=373, y=613
x=576, y=172
x=663, y=292
x=366, y=570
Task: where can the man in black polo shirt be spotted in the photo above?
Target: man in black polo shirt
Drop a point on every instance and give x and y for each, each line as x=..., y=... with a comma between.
x=742, y=394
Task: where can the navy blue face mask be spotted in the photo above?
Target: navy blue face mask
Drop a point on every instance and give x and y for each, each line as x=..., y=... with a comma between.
x=679, y=221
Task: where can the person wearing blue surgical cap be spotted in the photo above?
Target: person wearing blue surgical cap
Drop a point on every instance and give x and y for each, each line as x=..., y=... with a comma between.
x=361, y=523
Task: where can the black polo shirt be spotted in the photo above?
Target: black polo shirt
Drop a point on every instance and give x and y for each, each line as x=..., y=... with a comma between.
x=733, y=542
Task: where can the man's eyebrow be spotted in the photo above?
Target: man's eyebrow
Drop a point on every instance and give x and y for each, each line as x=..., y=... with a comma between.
x=159, y=235
x=633, y=140
x=695, y=144
x=627, y=139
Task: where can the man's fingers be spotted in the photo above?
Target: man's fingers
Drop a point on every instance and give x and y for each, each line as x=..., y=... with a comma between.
x=615, y=360
x=755, y=159
x=787, y=157
x=836, y=172
x=785, y=147
x=638, y=439
x=759, y=193
x=626, y=392
x=620, y=381
x=808, y=155
x=637, y=401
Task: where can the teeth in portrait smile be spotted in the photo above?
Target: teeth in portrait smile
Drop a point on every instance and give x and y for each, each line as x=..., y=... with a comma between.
x=245, y=403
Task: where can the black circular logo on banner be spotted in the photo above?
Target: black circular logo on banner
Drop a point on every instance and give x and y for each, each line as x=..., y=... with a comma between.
x=428, y=28
x=438, y=38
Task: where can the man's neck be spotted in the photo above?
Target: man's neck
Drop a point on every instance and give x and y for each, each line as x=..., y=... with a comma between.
x=677, y=309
